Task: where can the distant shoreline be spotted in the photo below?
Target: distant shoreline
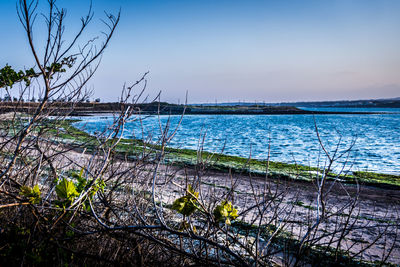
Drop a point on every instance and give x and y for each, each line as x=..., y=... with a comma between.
x=163, y=108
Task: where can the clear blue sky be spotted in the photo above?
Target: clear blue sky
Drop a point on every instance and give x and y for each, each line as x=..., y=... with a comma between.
x=234, y=50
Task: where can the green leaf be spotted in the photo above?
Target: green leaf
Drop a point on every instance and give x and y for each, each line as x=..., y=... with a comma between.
x=66, y=190
x=36, y=190
x=187, y=204
x=33, y=194
x=25, y=191
x=82, y=182
x=8, y=76
x=190, y=191
x=225, y=212
x=184, y=205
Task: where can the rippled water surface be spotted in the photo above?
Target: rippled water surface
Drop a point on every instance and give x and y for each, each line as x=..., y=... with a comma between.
x=291, y=138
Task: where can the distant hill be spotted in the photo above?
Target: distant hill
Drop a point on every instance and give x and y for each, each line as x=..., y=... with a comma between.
x=163, y=108
x=369, y=103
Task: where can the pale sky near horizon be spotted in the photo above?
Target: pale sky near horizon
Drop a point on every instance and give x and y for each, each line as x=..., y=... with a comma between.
x=272, y=51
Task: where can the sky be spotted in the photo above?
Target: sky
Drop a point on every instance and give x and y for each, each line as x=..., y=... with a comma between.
x=228, y=51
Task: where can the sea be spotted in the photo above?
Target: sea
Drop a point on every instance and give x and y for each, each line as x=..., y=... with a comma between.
x=356, y=142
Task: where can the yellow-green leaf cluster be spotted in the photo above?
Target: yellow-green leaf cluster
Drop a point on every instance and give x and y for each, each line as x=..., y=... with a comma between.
x=32, y=193
x=187, y=204
x=66, y=190
x=225, y=212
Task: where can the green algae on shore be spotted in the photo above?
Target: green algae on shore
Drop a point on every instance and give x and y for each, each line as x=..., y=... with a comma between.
x=133, y=148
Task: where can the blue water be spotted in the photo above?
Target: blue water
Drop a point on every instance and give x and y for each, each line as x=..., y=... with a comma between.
x=291, y=138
